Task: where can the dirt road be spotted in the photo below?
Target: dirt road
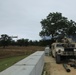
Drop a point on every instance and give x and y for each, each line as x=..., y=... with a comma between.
x=58, y=69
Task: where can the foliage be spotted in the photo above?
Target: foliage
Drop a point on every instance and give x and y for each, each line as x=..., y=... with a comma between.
x=7, y=62
x=56, y=25
x=46, y=42
x=22, y=42
x=5, y=40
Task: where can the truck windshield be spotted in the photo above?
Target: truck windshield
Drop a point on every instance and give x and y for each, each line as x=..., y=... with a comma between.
x=60, y=45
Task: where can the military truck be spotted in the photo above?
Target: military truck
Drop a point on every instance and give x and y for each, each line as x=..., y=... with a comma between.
x=63, y=50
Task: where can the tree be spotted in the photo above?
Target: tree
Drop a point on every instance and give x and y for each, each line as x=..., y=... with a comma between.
x=13, y=43
x=5, y=40
x=35, y=43
x=56, y=25
x=22, y=42
x=30, y=42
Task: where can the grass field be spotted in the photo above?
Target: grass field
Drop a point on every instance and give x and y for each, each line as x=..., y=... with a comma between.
x=11, y=55
x=7, y=62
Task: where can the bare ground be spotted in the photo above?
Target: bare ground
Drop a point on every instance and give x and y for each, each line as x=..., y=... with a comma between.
x=57, y=69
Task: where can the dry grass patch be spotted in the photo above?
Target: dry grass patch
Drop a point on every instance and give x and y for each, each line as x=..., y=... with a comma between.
x=17, y=51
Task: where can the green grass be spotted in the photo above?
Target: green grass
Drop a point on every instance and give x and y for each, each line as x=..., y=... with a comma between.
x=7, y=62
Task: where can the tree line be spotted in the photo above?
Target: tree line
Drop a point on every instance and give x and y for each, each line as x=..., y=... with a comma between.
x=6, y=40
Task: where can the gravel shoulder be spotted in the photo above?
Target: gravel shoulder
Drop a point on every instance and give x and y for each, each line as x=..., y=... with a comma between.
x=58, y=69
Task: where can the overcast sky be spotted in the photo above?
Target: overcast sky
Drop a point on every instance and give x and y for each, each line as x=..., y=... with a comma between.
x=22, y=17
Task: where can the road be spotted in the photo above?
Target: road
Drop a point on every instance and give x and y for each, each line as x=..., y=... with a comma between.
x=58, y=69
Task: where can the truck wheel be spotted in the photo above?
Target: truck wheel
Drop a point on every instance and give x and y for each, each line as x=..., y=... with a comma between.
x=58, y=59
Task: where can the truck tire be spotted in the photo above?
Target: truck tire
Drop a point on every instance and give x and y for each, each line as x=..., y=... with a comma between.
x=58, y=58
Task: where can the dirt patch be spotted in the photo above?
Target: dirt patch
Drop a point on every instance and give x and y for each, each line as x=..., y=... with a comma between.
x=58, y=69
